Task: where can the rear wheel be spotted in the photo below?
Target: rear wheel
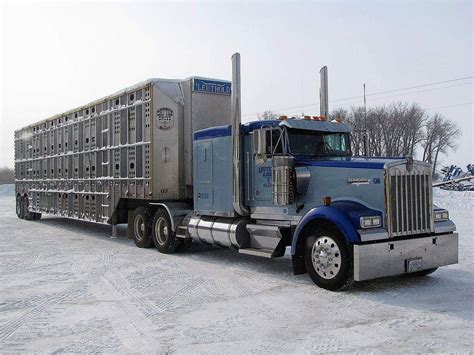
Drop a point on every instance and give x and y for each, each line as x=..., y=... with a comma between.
x=19, y=207
x=141, y=228
x=163, y=236
x=328, y=259
x=25, y=204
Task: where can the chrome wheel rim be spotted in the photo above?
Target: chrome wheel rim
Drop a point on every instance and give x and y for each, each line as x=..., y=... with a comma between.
x=326, y=257
x=139, y=227
x=161, y=230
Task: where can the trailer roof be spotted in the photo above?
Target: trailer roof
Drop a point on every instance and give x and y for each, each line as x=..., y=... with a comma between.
x=128, y=89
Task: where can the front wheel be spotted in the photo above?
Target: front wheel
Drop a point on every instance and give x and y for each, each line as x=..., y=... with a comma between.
x=328, y=259
x=163, y=236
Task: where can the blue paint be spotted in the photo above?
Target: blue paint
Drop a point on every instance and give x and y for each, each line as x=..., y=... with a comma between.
x=319, y=126
x=344, y=214
x=213, y=132
x=347, y=162
x=212, y=86
x=252, y=126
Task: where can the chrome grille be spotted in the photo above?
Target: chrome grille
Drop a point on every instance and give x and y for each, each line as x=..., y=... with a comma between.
x=409, y=200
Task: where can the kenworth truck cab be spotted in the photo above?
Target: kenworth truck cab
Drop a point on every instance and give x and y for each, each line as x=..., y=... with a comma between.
x=267, y=185
x=172, y=159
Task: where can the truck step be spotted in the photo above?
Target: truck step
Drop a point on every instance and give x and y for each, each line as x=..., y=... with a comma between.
x=264, y=253
x=181, y=232
x=264, y=236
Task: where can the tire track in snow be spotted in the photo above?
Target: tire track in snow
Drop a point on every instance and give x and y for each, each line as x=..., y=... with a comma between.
x=70, y=292
x=167, y=305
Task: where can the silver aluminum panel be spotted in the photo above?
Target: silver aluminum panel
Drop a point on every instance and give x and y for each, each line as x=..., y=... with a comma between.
x=389, y=258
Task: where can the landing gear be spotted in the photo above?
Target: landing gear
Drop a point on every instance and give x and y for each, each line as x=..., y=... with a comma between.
x=141, y=228
x=163, y=236
x=328, y=259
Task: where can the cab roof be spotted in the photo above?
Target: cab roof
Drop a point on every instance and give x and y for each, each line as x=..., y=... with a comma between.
x=312, y=125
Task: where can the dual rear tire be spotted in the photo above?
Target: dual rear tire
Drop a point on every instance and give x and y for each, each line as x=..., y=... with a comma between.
x=22, y=209
x=156, y=229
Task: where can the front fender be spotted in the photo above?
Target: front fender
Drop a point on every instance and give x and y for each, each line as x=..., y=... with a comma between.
x=344, y=214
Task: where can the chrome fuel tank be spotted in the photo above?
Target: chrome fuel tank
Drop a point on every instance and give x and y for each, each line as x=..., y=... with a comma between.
x=225, y=232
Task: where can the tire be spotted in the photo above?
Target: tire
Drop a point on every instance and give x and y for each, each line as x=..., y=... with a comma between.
x=19, y=207
x=141, y=228
x=328, y=259
x=27, y=215
x=163, y=236
x=422, y=272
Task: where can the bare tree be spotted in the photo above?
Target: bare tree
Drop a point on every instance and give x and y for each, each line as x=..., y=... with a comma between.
x=398, y=130
x=7, y=176
x=268, y=115
x=440, y=137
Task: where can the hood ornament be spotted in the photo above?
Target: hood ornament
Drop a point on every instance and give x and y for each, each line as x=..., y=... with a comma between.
x=409, y=159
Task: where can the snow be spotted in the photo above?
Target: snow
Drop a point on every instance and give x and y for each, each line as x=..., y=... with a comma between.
x=66, y=286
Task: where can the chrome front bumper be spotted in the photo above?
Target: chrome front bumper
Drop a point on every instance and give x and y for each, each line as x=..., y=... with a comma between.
x=394, y=257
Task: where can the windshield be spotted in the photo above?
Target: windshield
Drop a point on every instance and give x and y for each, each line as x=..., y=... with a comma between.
x=310, y=143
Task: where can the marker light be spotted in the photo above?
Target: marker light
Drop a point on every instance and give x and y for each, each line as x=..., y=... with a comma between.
x=326, y=200
x=370, y=221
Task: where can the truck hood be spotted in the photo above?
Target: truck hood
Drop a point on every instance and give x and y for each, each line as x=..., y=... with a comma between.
x=347, y=162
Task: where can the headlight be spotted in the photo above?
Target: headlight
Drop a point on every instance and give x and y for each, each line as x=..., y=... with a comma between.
x=370, y=221
x=441, y=215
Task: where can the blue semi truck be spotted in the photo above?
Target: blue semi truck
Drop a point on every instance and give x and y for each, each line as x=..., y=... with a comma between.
x=262, y=188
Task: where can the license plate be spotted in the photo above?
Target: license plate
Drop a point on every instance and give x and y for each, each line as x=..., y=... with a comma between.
x=413, y=265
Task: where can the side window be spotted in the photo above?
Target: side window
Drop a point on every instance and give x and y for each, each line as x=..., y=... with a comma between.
x=274, y=142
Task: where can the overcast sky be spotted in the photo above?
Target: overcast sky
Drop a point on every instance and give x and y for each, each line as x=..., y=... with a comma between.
x=56, y=56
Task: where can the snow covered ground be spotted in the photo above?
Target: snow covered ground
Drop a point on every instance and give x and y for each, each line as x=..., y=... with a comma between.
x=66, y=286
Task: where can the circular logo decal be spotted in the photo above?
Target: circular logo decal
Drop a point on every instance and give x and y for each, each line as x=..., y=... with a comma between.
x=165, y=118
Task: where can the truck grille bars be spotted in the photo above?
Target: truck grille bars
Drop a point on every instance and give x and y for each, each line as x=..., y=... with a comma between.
x=409, y=200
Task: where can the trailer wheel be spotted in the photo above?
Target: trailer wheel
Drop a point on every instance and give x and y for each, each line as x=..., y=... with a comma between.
x=163, y=236
x=26, y=213
x=19, y=207
x=328, y=259
x=141, y=228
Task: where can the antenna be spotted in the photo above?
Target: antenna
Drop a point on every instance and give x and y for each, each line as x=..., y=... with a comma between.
x=366, y=142
x=302, y=98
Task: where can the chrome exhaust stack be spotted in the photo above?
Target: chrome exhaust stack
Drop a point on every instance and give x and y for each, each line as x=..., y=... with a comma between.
x=239, y=207
x=323, y=93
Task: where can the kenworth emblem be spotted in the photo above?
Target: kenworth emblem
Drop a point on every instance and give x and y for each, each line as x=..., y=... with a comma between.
x=357, y=181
